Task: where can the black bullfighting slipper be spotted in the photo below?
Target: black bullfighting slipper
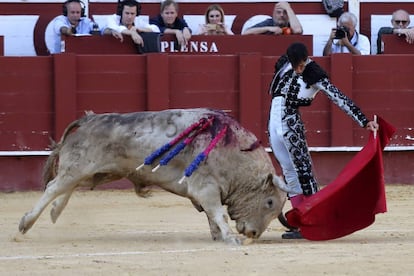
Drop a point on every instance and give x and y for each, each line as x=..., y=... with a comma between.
x=292, y=234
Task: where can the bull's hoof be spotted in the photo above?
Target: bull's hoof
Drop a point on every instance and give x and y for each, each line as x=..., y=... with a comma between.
x=216, y=236
x=23, y=228
x=247, y=241
x=26, y=223
x=233, y=240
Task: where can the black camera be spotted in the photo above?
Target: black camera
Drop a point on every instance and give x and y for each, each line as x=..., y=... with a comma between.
x=341, y=32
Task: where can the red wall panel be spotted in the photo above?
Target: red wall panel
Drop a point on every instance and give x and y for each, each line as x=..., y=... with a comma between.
x=26, y=103
x=62, y=87
x=387, y=85
x=111, y=84
x=204, y=81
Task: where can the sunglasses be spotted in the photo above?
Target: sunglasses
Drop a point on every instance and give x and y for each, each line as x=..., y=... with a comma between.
x=401, y=21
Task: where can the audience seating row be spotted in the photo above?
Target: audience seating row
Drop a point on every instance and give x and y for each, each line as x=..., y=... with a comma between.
x=18, y=30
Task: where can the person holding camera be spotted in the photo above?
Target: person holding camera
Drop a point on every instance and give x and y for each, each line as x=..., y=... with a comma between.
x=214, y=22
x=296, y=82
x=345, y=38
x=283, y=21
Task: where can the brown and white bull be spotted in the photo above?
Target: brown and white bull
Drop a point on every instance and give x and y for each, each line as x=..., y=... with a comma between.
x=238, y=173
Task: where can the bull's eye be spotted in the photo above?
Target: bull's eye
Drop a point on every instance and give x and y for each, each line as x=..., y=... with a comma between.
x=269, y=203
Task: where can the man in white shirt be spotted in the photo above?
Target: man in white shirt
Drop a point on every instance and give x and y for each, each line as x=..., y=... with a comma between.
x=127, y=22
x=345, y=38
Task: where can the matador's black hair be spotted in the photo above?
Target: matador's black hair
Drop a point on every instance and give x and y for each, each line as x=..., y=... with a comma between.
x=297, y=53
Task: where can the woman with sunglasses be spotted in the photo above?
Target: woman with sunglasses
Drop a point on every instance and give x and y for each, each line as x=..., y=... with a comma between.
x=214, y=22
x=400, y=26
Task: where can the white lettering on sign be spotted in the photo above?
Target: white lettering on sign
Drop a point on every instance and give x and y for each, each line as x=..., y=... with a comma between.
x=192, y=47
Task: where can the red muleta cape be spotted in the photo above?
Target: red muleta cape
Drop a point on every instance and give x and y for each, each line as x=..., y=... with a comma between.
x=350, y=202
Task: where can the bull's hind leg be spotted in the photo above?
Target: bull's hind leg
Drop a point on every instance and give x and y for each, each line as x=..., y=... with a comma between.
x=59, y=204
x=55, y=188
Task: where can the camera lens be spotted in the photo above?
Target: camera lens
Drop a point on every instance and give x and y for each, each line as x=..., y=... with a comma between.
x=339, y=34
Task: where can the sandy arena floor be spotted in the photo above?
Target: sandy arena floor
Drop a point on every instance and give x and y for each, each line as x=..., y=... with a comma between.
x=117, y=233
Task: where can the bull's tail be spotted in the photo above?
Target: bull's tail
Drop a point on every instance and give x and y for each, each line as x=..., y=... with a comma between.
x=50, y=168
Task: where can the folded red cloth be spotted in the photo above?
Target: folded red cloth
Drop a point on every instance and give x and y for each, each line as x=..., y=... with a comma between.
x=350, y=202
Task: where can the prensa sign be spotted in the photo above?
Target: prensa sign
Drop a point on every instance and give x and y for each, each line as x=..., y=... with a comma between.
x=192, y=47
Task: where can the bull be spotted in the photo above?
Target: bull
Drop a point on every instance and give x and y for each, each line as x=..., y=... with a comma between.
x=236, y=173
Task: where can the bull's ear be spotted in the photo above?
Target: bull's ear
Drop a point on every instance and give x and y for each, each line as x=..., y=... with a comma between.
x=269, y=178
x=267, y=181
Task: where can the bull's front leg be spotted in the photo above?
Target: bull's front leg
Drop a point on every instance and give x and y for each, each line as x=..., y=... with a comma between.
x=209, y=199
x=219, y=226
x=214, y=230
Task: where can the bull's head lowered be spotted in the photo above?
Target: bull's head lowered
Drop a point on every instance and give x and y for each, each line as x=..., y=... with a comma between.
x=253, y=210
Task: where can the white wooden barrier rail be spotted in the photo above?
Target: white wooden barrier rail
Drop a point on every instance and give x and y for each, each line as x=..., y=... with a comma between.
x=19, y=37
x=311, y=149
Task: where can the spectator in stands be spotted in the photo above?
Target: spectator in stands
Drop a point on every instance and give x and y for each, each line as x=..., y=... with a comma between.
x=283, y=21
x=169, y=22
x=214, y=22
x=126, y=21
x=72, y=22
x=400, y=21
x=296, y=82
x=345, y=38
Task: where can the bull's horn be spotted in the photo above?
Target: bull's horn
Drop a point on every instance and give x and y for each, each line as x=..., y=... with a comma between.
x=278, y=182
x=282, y=219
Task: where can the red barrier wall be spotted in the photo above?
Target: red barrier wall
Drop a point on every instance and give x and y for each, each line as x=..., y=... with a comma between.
x=26, y=102
x=396, y=45
x=39, y=96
